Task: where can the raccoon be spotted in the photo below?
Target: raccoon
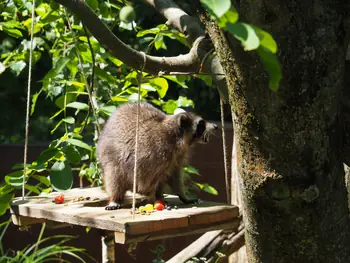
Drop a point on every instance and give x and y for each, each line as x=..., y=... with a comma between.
x=164, y=143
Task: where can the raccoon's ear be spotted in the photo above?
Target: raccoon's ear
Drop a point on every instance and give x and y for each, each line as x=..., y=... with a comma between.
x=183, y=121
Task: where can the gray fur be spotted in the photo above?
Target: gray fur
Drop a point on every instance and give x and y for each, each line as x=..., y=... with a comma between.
x=164, y=142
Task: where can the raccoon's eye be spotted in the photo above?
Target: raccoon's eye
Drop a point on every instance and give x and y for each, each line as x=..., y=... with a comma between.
x=200, y=128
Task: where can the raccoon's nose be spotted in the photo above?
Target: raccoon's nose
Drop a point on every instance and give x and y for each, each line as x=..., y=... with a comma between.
x=215, y=126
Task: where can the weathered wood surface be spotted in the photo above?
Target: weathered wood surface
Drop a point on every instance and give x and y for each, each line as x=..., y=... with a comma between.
x=91, y=213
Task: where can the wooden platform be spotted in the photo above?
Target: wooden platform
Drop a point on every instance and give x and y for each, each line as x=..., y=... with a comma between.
x=89, y=211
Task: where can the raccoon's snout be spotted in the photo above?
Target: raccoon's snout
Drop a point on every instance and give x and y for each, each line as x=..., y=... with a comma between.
x=209, y=130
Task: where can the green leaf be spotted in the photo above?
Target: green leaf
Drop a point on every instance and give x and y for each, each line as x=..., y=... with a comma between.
x=60, y=101
x=34, y=100
x=180, y=80
x=61, y=176
x=13, y=32
x=5, y=188
x=18, y=67
x=161, y=85
x=15, y=179
x=217, y=7
x=159, y=42
x=47, y=155
x=78, y=105
x=72, y=154
x=32, y=189
x=191, y=170
x=207, y=188
x=80, y=144
x=184, y=102
x=69, y=120
x=61, y=64
x=246, y=34
x=266, y=40
x=42, y=179
x=2, y=68
x=272, y=66
x=231, y=16
x=93, y=4
x=119, y=99
x=5, y=202
x=169, y=106
x=108, y=110
x=115, y=61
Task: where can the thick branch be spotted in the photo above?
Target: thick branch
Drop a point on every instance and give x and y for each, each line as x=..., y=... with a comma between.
x=178, y=19
x=210, y=243
x=182, y=63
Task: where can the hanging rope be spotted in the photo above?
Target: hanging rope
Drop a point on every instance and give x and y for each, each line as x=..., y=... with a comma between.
x=139, y=81
x=28, y=101
x=224, y=146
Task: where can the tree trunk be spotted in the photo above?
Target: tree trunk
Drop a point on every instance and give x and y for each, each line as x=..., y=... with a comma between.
x=289, y=142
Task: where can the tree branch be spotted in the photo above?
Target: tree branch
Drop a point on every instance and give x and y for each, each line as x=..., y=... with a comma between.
x=211, y=242
x=182, y=63
x=177, y=18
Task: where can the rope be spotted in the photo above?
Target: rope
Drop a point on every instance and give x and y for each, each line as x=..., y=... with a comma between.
x=139, y=80
x=224, y=146
x=28, y=101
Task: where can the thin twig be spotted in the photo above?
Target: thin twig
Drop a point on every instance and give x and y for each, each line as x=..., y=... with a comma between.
x=83, y=74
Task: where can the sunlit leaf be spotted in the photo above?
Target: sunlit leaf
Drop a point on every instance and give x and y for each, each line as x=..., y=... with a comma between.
x=191, y=170
x=108, y=109
x=80, y=144
x=15, y=179
x=78, y=105
x=266, y=40
x=2, y=68
x=32, y=188
x=246, y=34
x=217, y=8
x=161, y=86
x=69, y=120
x=42, y=179
x=18, y=67
x=13, y=32
x=272, y=66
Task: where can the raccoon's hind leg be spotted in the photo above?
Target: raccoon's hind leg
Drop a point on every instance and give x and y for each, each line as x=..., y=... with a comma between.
x=176, y=183
x=115, y=186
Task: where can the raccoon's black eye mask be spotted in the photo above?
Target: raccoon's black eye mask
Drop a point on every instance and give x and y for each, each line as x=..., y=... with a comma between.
x=200, y=129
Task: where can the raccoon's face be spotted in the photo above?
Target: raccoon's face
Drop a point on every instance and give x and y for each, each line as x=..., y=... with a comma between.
x=202, y=131
x=198, y=129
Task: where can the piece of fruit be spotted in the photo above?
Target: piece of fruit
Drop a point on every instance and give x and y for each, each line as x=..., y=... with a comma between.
x=59, y=199
x=159, y=201
x=159, y=206
x=127, y=14
x=149, y=207
x=141, y=208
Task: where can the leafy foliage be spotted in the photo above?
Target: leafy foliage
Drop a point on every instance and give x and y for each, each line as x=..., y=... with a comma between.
x=41, y=252
x=85, y=84
x=251, y=37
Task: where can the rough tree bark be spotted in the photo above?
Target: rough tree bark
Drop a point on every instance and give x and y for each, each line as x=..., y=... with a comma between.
x=289, y=143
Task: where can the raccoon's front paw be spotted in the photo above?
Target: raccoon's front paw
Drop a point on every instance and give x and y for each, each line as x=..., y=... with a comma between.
x=113, y=206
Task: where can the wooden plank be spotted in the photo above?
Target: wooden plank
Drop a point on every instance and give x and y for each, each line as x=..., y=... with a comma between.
x=25, y=220
x=90, y=212
x=124, y=238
